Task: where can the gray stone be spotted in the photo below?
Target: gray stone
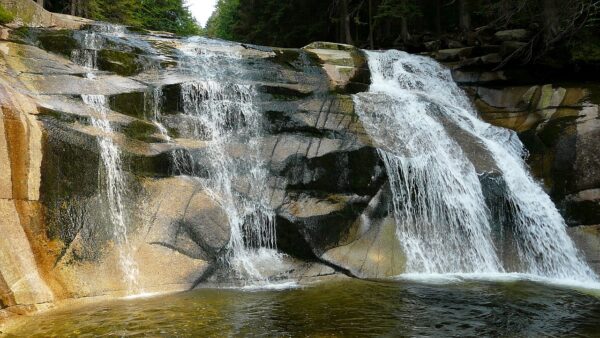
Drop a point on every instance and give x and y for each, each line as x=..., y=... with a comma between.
x=513, y=35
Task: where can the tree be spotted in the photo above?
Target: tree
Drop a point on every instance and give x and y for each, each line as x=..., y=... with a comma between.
x=165, y=15
x=371, y=26
x=464, y=15
x=398, y=9
x=344, y=20
x=223, y=20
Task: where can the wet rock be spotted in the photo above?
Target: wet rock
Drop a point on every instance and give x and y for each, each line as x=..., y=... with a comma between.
x=453, y=44
x=345, y=65
x=371, y=248
x=509, y=47
x=432, y=46
x=587, y=239
x=455, y=54
x=513, y=35
x=559, y=127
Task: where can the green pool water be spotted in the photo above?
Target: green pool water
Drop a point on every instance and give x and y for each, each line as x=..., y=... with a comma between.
x=348, y=308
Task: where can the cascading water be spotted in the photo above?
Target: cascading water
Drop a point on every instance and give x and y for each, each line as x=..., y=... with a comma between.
x=114, y=186
x=223, y=114
x=114, y=181
x=153, y=101
x=442, y=219
x=91, y=43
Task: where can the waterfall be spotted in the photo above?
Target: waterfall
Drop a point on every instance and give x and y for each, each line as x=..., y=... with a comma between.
x=153, y=106
x=114, y=181
x=223, y=114
x=413, y=112
x=114, y=186
x=92, y=41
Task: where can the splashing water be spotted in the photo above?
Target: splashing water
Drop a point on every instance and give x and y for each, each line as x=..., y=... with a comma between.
x=224, y=115
x=114, y=185
x=114, y=181
x=153, y=106
x=413, y=112
x=92, y=41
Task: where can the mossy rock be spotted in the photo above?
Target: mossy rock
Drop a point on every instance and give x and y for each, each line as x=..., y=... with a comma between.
x=131, y=104
x=329, y=45
x=61, y=41
x=5, y=16
x=141, y=130
x=122, y=63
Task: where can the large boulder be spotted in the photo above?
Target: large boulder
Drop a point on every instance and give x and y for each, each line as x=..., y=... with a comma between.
x=560, y=128
x=587, y=239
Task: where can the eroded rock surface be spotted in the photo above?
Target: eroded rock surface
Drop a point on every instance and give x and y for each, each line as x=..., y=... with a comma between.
x=323, y=170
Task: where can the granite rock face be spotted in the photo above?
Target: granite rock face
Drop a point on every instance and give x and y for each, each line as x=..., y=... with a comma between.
x=326, y=184
x=324, y=173
x=559, y=126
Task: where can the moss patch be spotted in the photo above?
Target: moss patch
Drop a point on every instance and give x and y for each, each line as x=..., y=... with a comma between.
x=122, y=63
x=5, y=16
x=141, y=130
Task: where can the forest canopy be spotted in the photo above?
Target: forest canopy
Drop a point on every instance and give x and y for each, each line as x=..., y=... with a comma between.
x=163, y=15
x=404, y=24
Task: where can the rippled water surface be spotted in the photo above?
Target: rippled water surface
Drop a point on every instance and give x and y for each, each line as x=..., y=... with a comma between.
x=337, y=309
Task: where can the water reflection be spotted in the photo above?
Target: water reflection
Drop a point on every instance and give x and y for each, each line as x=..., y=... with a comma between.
x=338, y=309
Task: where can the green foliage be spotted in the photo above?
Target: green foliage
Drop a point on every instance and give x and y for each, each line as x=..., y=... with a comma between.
x=167, y=15
x=270, y=22
x=5, y=16
x=397, y=9
x=163, y=15
x=124, y=12
x=586, y=46
x=223, y=20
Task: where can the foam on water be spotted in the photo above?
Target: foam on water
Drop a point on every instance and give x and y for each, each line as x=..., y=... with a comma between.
x=508, y=277
x=413, y=112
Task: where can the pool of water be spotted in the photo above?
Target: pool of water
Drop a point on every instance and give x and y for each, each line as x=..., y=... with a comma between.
x=337, y=309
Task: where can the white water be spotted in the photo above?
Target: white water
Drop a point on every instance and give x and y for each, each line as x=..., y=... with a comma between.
x=442, y=220
x=224, y=115
x=114, y=187
x=114, y=181
x=153, y=102
x=92, y=42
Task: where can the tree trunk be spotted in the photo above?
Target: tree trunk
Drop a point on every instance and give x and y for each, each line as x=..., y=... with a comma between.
x=438, y=17
x=464, y=15
x=371, y=27
x=73, y=7
x=40, y=2
x=404, y=24
x=550, y=19
x=345, y=22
